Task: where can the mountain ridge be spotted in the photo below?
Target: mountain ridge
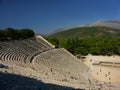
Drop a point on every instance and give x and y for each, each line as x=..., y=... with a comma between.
x=108, y=23
x=93, y=31
x=110, y=28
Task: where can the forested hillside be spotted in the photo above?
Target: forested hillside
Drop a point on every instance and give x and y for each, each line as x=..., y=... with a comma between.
x=88, y=32
x=88, y=40
x=92, y=45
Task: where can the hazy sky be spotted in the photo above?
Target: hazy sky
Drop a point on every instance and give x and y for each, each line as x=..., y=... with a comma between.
x=45, y=16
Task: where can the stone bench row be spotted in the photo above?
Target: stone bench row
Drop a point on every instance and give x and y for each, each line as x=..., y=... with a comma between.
x=21, y=51
x=60, y=59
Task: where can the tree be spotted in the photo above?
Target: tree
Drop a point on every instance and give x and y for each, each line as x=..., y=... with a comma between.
x=13, y=34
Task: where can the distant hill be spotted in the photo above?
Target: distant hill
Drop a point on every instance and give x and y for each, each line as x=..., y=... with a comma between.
x=92, y=31
x=100, y=28
x=108, y=23
x=97, y=39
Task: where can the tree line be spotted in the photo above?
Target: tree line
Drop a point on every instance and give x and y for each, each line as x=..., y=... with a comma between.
x=91, y=45
x=15, y=34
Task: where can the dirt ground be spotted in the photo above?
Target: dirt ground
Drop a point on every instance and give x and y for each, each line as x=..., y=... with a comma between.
x=109, y=74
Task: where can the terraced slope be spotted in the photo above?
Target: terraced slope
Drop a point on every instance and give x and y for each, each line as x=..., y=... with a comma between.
x=61, y=63
x=23, y=51
x=36, y=58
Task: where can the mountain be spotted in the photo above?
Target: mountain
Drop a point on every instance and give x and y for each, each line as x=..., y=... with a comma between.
x=93, y=31
x=93, y=39
x=108, y=28
x=109, y=23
